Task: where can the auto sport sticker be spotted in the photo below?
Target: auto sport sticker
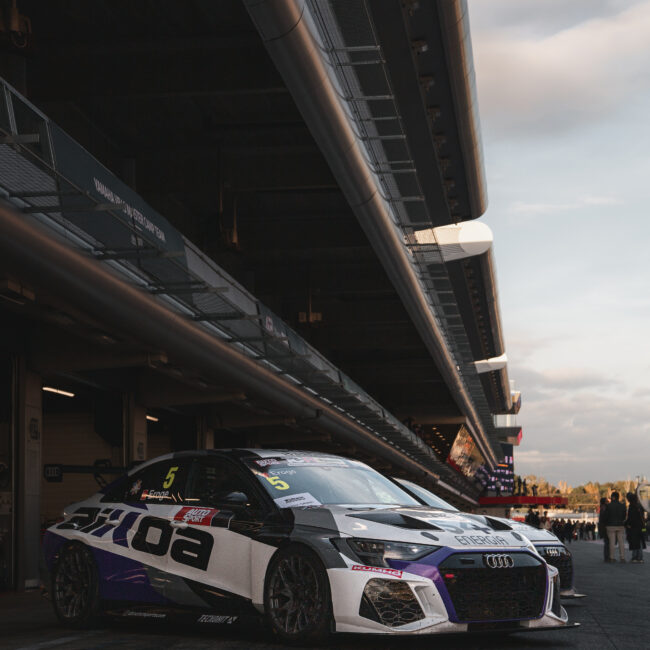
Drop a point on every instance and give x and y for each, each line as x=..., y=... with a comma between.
x=297, y=500
x=378, y=569
x=198, y=516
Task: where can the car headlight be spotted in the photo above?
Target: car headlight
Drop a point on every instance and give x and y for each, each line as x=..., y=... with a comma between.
x=533, y=549
x=377, y=553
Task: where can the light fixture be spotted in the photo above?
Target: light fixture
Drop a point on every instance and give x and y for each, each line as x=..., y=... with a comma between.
x=58, y=391
x=152, y=418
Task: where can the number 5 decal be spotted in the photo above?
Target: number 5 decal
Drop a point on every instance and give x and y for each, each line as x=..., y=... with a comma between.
x=171, y=475
x=277, y=482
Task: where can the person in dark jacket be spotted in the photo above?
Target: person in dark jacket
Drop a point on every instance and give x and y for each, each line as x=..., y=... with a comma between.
x=602, y=528
x=615, y=516
x=634, y=526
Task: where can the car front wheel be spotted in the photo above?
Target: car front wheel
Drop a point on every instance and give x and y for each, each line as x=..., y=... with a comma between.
x=75, y=586
x=297, y=598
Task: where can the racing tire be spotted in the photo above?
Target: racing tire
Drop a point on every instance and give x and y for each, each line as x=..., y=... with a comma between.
x=297, y=599
x=75, y=587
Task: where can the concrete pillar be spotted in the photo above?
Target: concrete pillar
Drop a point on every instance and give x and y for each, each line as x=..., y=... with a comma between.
x=29, y=470
x=205, y=434
x=135, y=430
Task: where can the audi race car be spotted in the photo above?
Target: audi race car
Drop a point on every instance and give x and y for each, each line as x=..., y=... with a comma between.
x=314, y=542
x=547, y=544
x=553, y=551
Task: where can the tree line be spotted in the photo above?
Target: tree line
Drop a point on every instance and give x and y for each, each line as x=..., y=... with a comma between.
x=581, y=497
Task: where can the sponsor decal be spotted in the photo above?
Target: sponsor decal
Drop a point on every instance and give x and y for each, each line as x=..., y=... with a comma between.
x=265, y=462
x=212, y=618
x=154, y=494
x=135, y=488
x=315, y=460
x=378, y=569
x=481, y=540
x=130, y=612
x=302, y=460
x=198, y=516
x=297, y=500
x=190, y=546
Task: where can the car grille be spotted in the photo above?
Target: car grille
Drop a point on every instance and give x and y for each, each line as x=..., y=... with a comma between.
x=481, y=593
x=390, y=602
x=562, y=562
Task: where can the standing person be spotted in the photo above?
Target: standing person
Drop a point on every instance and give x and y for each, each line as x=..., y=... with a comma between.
x=534, y=489
x=529, y=517
x=634, y=526
x=615, y=516
x=497, y=487
x=602, y=528
x=568, y=531
x=518, y=485
x=524, y=488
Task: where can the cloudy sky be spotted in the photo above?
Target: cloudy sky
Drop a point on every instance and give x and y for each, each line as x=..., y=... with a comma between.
x=564, y=95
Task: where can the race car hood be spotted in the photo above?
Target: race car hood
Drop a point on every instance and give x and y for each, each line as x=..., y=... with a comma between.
x=535, y=535
x=421, y=525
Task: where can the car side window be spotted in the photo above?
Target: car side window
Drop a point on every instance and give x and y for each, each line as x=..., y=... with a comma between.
x=216, y=483
x=161, y=483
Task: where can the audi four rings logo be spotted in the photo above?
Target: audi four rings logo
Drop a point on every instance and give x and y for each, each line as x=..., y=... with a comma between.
x=499, y=561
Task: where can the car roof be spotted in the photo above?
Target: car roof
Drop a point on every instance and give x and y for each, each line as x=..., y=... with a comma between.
x=235, y=453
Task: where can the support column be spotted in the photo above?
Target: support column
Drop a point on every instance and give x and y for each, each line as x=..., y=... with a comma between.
x=28, y=476
x=135, y=430
x=205, y=433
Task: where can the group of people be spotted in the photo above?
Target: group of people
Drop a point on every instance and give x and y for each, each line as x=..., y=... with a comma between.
x=616, y=522
x=567, y=530
x=564, y=529
x=520, y=488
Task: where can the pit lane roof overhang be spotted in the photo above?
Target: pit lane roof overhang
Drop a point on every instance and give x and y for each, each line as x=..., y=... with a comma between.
x=167, y=293
x=475, y=288
x=429, y=56
x=338, y=99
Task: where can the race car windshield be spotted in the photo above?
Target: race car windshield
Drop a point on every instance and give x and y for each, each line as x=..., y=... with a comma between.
x=427, y=497
x=306, y=481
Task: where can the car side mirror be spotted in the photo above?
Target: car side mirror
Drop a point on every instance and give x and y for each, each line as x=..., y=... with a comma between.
x=234, y=500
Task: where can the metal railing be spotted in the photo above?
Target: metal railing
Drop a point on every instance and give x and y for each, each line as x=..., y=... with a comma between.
x=54, y=181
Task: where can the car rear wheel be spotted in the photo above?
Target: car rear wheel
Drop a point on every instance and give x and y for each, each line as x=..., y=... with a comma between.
x=75, y=587
x=297, y=600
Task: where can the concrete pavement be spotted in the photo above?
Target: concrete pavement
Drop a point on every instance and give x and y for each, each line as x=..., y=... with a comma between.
x=614, y=615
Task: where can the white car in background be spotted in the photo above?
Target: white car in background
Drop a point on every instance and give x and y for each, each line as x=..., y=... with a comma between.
x=547, y=544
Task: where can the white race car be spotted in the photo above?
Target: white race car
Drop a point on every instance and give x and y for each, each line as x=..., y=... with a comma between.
x=314, y=542
x=547, y=544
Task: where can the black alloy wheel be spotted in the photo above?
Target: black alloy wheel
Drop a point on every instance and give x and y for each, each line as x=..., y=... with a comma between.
x=297, y=599
x=75, y=586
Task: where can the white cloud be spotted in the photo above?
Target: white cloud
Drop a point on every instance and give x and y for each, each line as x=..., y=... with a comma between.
x=524, y=208
x=565, y=79
x=601, y=200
